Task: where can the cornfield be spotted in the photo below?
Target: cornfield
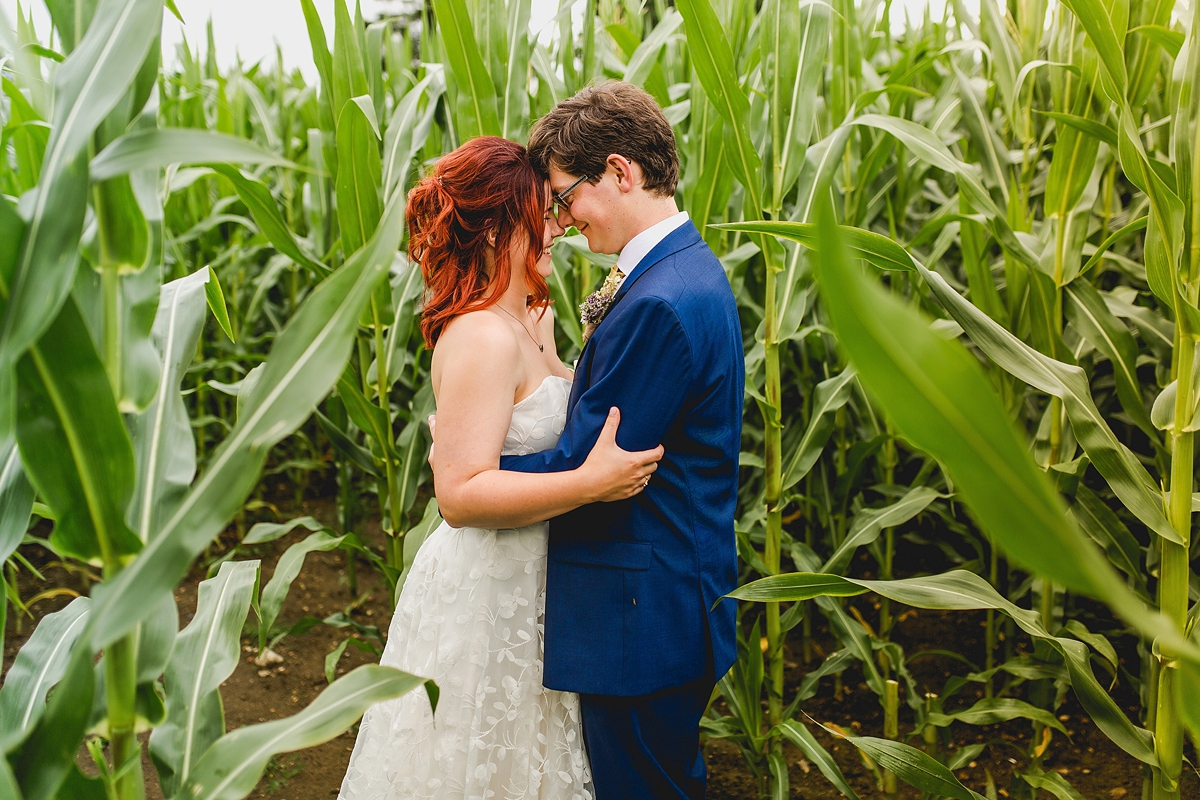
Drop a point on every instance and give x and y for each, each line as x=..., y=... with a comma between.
x=966, y=253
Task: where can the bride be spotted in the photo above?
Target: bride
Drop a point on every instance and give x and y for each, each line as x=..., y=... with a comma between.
x=470, y=613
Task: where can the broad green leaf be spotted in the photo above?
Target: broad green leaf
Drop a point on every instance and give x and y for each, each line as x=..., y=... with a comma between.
x=1107, y=41
x=405, y=128
x=162, y=434
x=216, y=303
x=303, y=365
x=713, y=61
x=1053, y=783
x=160, y=147
x=912, y=766
x=798, y=734
x=206, y=652
x=286, y=570
x=349, y=75
x=46, y=758
x=231, y=768
x=1105, y=528
x=88, y=85
x=264, y=532
x=648, y=51
x=1124, y=473
x=16, y=499
x=993, y=710
x=74, y=444
x=829, y=395
x=476, y=113
x=1088, y=313
x=359, y=177
x=267, y=216
x=40, y=664
x=869, y=523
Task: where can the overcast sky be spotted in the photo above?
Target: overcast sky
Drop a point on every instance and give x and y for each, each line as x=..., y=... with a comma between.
x=252, y=27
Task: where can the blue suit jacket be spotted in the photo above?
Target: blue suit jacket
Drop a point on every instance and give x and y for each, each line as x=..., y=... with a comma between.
x=630, y=586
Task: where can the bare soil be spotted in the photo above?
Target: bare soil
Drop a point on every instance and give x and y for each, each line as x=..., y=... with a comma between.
x=1094, y=766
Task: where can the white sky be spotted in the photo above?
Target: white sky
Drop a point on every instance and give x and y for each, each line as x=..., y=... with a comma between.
x=252, y=27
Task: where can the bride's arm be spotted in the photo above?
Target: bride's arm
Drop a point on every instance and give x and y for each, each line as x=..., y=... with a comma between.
x=476, y=377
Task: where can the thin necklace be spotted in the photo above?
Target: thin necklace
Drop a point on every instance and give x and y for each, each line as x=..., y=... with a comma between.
x=541, y=347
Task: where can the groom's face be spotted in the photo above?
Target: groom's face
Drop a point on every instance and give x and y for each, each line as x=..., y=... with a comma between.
x=589, y=207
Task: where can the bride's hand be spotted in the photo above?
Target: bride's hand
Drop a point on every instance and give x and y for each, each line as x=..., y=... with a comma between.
x=616, y=474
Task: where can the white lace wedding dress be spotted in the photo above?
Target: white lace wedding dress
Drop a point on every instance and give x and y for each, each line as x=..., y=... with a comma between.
x=470, y=617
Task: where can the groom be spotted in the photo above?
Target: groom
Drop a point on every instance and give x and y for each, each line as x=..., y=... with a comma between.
x=630, y=586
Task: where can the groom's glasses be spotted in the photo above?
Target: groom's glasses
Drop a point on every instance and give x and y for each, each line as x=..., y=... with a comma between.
x=560, y=198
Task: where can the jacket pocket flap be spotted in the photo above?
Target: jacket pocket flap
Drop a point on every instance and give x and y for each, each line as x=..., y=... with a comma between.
x=616, y=555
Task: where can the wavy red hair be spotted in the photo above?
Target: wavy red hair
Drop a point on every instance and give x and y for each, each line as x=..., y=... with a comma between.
x=487, y=184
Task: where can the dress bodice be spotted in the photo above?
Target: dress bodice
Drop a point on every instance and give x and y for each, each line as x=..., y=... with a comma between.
x=538, y=420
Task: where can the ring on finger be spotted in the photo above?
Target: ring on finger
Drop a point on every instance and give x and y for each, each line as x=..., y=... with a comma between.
x=646, y=482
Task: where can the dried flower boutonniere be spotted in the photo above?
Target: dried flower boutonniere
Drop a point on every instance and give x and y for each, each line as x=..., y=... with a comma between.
x=596, y=305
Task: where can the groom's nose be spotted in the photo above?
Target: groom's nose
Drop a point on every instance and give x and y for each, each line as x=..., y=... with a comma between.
x=564, y=218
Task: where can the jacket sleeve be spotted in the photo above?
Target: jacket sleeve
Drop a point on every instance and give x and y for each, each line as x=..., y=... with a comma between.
x=643, y=366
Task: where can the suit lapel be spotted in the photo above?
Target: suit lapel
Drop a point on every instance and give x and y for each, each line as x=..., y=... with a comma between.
x=681, y=238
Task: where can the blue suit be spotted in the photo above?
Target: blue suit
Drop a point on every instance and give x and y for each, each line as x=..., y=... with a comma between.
x=630, y=586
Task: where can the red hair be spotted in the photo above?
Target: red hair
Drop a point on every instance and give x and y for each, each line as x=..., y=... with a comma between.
x=487, y=184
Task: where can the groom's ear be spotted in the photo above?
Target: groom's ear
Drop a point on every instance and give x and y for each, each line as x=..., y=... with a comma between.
x=628, y=172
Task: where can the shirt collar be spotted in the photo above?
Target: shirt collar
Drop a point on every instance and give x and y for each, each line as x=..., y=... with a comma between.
x=640, y=245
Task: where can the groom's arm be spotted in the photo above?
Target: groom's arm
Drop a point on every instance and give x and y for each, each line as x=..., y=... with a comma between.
x=643, y=367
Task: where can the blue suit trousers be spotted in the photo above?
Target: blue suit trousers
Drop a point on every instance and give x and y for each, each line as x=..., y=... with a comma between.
x=648, y=747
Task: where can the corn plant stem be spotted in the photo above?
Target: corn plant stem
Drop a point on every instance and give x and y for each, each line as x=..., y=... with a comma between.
x=773, y=450
x=120, y=685
x=990, y=655
x=395, y=509
x=1173, y=575
x=891, y=729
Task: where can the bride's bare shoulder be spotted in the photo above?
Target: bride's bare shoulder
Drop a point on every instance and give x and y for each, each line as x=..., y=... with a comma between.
x=478, y=338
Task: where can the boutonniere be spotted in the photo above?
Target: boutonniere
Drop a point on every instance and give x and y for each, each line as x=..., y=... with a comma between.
x=596, y=305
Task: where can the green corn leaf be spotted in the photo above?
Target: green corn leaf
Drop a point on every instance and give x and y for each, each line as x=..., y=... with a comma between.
x=646, y=56
x=162, y=434
x=712, y=58
x=286, y=570
x=798, y=734
x=476, y=113
x=366, y=416
x=829, y=395
x=46, y=758
x=1097, y=130
x=991, y=711
x=407, y=130
x=74, y=444
x=231, y=768
x=1053, y=783
x=160, y=147
x=88, y=85
x=869, y=523
x=40, y=665
x=911, y=766
x=216, y=303
x=1164, y=37
x=268, y=218
x=355, y=452
x=16, y=499
x=206, y=652
x=1088, y=313
x=348, y=73
x=1108, y=43
x=304, y=363
x=359, y=175
x=264, y=532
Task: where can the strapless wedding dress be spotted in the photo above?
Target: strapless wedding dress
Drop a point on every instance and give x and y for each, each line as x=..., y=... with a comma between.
x=470, y=616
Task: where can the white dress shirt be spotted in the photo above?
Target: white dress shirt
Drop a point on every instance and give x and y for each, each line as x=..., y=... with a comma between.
x=640, y=245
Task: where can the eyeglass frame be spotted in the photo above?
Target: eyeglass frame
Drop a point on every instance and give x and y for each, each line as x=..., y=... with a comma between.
x=561, y=197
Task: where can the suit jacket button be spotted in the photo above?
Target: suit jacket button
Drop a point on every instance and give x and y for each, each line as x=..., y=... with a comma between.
x=635, y=601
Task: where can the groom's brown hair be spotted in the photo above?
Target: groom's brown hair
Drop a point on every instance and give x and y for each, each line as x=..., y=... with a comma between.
x=581, y=133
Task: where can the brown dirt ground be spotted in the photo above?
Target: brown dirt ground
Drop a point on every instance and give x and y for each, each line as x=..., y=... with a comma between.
x=1093, y=765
